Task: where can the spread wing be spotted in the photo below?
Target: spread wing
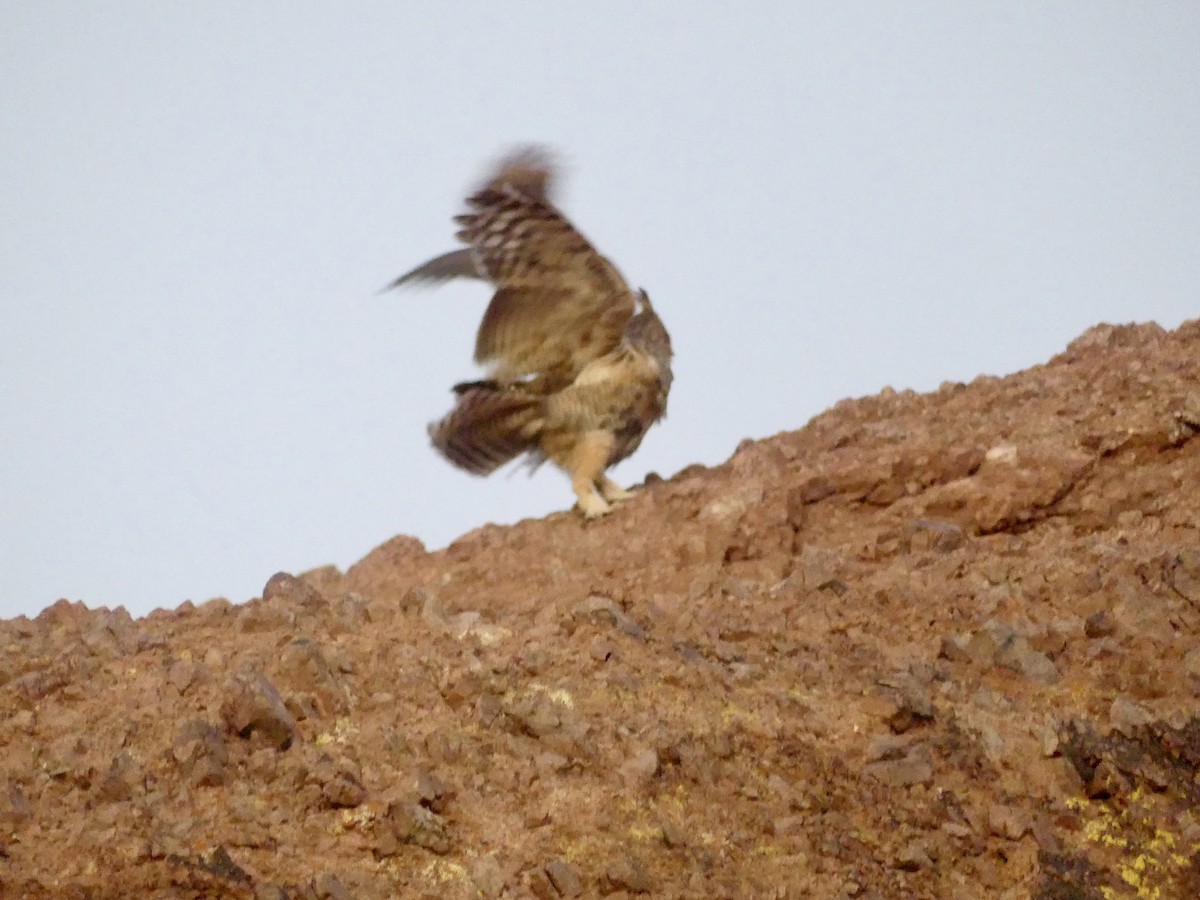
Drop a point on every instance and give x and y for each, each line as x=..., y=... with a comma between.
x=448, y=266
x=558, y=303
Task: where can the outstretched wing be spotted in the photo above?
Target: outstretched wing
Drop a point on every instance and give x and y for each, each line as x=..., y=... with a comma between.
x=558, y=303
x=448, y=266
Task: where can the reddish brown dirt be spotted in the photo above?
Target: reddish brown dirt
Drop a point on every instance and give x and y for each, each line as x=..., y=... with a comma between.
x=939, y=645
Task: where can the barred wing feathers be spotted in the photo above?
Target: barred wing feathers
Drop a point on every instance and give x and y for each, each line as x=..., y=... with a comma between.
x=558, y=305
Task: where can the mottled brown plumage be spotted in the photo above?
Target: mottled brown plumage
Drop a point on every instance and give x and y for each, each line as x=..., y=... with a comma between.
x=580, y=365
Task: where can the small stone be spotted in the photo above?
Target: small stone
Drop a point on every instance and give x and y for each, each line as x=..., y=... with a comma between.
x=779, y=787
x=1047, y=838
x=1189, y=829
x=887, y=746
x=1001, y=453
x=602, y=650
x=550, y=763
x=302, y=667
x=673, y=836
x=432, y=792
x=1183, y=569
x=302, y=706
x=252, y=705
x=1107, y=781
x=913, y=704
x=23, y=720
x=937, y=535
x=788, y=825
x=118, y=782
x=488, y=707
x=340, y=780
x=540, y=886
x=182, y=674
x=913, y=856
x=214, y=659
x=961, y=463
x=913, y=769
x=487, y=876
x=215, y=610
x=412, y=600
x=411, y=823
x=460, y=688
x=627, y=874
x=14, y=806
x=1007, y=822
x=1020, y=656
x=1047, y=735
x=433, y=613
x=1126, y=715
x=201, y=753
x=721, y=746
x=1191, y=662
x=221, y=864
x=464, y=623
x=565, y=879
x=111, y=633
x=1130, y=518
x=287, y=588
x=797, y=514
x=954, y=648
x=258, y=616
x=602, y=611
x=640, y=768
x=815, y=489
x=329, y=887
x=342, y=792
x=987, y=642
x=536, y=715
x=727, y=652
x=1101, y=624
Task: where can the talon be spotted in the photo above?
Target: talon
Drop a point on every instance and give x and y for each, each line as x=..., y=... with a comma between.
x=593, y=506
x=612, y=491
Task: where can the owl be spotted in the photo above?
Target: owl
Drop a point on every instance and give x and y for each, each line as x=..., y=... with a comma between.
x=579, y=364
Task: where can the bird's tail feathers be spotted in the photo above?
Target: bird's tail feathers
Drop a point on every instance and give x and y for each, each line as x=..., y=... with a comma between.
x=489, y=426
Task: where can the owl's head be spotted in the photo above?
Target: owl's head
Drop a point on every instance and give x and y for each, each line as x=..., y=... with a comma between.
x=647, y=333
x=527, y=170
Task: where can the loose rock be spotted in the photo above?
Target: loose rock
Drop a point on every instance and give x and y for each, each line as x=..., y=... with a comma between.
x=627, y=874
x=252, y=705
x=565, y=879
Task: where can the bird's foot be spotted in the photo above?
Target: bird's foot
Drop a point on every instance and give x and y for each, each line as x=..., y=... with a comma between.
x=593, y=506
x=613, y=492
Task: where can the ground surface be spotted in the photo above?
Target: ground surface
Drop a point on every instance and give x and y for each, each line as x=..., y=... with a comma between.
x=938, y=645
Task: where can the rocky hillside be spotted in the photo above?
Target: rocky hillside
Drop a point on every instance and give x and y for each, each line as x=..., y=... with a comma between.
x=939, y=645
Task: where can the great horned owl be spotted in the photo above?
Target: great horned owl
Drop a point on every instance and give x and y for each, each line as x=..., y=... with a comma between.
x=580, y=363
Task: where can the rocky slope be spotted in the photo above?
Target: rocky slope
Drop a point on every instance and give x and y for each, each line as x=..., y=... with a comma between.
x=939, y=645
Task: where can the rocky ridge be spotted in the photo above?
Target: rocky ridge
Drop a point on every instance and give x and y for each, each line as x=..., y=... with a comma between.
x=938, y=645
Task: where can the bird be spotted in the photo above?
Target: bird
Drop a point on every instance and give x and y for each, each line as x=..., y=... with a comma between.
x=579, y=364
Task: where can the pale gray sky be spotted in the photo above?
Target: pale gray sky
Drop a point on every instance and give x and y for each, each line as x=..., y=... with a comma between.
x=198, y=202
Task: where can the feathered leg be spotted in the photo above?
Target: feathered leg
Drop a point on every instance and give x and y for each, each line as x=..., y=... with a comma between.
x=585, y=464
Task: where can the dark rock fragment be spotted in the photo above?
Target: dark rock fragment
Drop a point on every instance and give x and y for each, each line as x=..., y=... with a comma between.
x=564, y=878
x=287, y=588
x=252, y=705
x=200, y=752
x=627, y=874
